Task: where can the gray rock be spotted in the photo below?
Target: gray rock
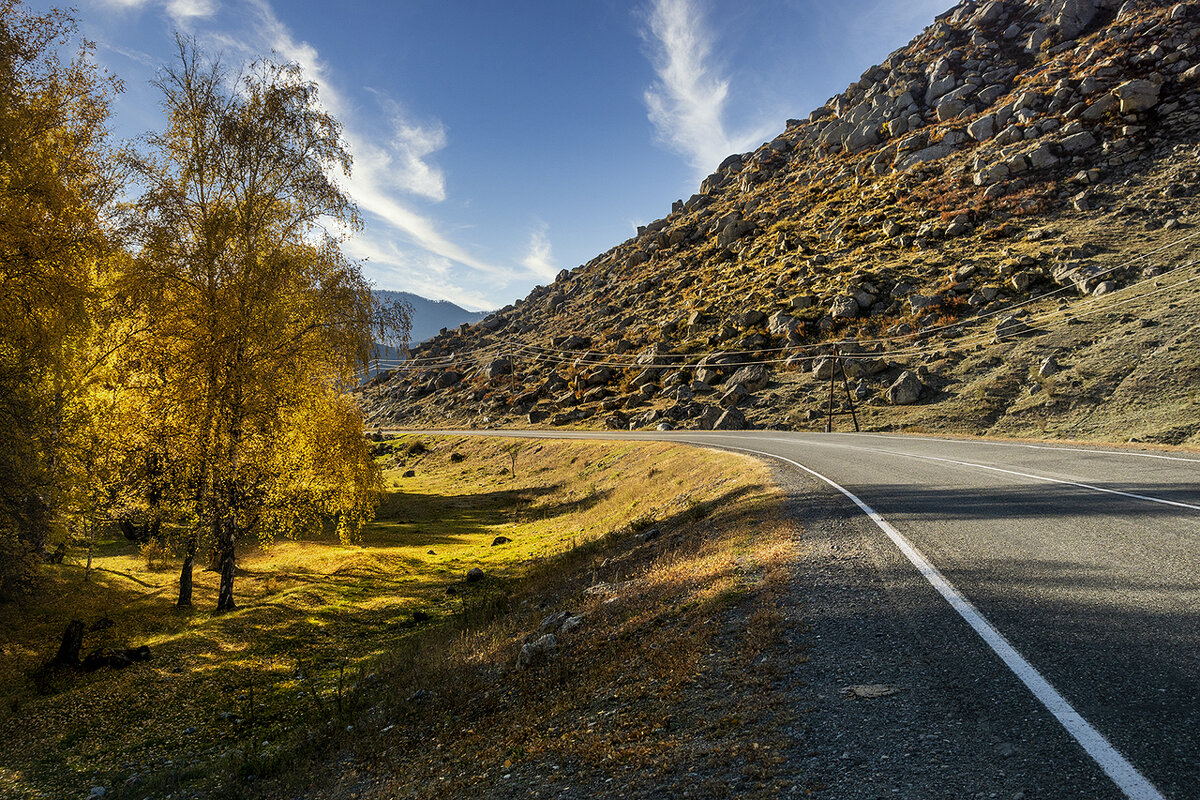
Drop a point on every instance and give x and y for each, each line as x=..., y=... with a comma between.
x=1100, y=107
x=541, y=649
x=447, y=379
x=553, y=622
x=843, y=307
x=1048, y=367
x=782, y=324
x=921, y=156
x=991, y=174
x=474, y=575
x=1077, y=142
x=732, y=420
x=749, y=319
x=939, y=88
x=1073, y=16
x=734, y=395
x=1042, y=157
x=920, y=302
x=1137, y=95
x=497, y=368
x=753, y=377
x=905, y=391
x=861, y=138
x=983, y=128
x=1011, y=327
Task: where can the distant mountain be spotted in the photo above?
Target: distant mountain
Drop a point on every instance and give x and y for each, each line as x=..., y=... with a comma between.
x=428, y=318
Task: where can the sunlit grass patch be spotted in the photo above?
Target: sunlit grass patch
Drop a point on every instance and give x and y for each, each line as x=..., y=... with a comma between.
x=322, y=625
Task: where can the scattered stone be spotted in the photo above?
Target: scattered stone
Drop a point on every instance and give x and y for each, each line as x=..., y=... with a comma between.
x=1137, y=95
x=1048, y=367
x=732, y=420
x=843, y=307
x=1012, y=327
x=906, y=390
x=499, y=540
x=537, y=651
x=754, y=377
x=474, y=575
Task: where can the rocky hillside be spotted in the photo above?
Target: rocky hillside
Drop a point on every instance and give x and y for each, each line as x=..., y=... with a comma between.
x=994, y=229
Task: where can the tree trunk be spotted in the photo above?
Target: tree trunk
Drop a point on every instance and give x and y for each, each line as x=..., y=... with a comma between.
x=185, y=573
x=72, y=643
x=225, y=548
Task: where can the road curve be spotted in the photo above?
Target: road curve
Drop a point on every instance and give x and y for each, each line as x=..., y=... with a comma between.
x=1083, y=561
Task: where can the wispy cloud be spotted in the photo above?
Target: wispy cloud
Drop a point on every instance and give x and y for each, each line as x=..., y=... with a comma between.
x=385, y=165
x=540, y=259
x=181, y=12
x=687, y=102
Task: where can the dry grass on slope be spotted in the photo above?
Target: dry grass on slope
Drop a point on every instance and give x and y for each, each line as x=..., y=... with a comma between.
x=658, y=692
x=327, y=681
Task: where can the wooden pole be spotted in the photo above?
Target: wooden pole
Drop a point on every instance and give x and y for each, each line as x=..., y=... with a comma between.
x=849, y=397
x=829, y=417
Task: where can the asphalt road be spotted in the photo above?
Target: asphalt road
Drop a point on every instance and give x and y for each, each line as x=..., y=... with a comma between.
x=1066, y=579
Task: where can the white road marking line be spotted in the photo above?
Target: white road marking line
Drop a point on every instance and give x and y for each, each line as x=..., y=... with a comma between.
x=1028, y=446
x=1132, y=495
x=1131, y=782
x=1031, y=476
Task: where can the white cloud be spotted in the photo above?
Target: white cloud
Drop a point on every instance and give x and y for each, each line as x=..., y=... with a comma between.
x=540, y=259
x=183, y=10
x=385, y=166
x=687, y=103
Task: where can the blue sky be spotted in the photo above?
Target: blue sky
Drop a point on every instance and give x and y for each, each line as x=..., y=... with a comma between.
x=496, y=143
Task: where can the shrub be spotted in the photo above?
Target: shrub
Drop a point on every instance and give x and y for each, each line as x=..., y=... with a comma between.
x=157, y=555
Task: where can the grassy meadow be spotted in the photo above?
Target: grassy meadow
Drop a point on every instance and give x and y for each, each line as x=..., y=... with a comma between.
x=334, y=644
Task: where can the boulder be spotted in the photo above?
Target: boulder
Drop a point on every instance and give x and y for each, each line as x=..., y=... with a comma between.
x=1048, y=367
x=749, y=319
x=1137, y=95
x=1073, y=16
x=732, y=420
x=919, y=302
x=753, y=377
x=734, y=395
x=1042, y=157
x=497, y=368
x=1011, y=327
x=447, y=379
x=706, y=417
x=782, y=324
x=983, y=128
x=843, y=307
x=905, y=391
x=1077, y=142
x=540, y=649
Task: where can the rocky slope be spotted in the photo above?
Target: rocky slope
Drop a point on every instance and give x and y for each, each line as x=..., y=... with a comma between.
x=994, y=229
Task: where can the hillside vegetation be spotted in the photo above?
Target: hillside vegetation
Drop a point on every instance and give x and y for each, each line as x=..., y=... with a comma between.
x=994, y=228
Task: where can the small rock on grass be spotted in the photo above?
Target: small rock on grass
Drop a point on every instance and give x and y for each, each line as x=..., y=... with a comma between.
x=538, y=650
x=499, y=540
x=474, y=575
